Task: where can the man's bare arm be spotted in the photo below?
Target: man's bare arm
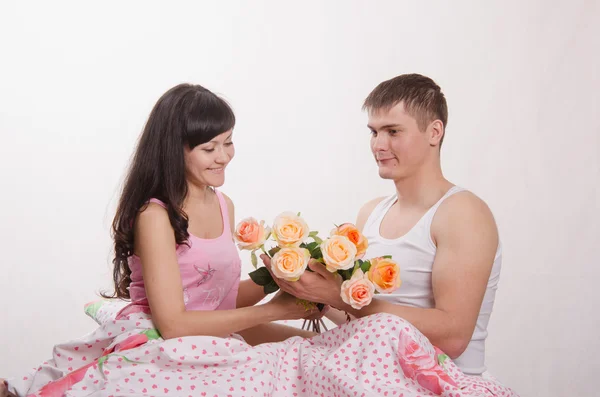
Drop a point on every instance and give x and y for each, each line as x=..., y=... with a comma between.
x=466, y=236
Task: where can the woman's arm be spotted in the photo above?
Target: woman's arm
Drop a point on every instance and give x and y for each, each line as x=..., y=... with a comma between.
x=267, y=333
x=249, y=293
x=337, y=316
x=155, y=245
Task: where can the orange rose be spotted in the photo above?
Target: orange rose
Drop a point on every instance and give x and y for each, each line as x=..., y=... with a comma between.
x=358, y=291
x=250, y=234
x=354, y=235
x=289, y=230
x=384, y=273
x=290, y=263
x=338, y=253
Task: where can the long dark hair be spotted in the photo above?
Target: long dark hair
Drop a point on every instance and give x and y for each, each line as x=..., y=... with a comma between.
x=186, y=115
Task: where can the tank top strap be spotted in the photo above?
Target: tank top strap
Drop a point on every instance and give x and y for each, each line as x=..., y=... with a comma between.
x=376, y=217
x=427, y=219
x=224, y=213
x=157, y=201
x=450, y=192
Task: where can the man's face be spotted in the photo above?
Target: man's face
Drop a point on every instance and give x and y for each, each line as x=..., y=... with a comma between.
x=400, y=148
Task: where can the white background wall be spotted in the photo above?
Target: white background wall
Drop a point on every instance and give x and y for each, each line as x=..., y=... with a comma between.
x=77, y=82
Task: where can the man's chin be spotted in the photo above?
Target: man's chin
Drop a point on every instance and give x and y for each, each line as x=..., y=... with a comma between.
x=385, y=174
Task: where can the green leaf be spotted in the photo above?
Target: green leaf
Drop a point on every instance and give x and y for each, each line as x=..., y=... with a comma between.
x=253, y=259
x=261, y=276
x=442, y=358
x=273, y=251
x=365, y=266
x=298, y=214
x=271, y=287
x=387, y=256
x=316, y=253
x=101, y=361
x=315, y=236
x=130, y=361
x=347, y=275
x=152, y=334
x=311, y=246
x=93, y=308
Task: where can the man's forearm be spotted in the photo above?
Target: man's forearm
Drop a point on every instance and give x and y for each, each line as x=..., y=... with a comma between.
x=438, y=326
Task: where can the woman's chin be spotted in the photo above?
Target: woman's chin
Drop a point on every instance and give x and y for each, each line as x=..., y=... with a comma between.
x=216, y=182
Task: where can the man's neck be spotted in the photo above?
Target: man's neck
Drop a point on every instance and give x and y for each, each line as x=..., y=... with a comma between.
x=423, y=189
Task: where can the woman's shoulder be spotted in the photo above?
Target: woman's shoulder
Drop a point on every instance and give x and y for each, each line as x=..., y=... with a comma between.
x=153, y=215
x=230, y=208
x=228, y=200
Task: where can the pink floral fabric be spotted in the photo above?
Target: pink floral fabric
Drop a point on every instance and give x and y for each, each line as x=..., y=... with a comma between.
x=379, y=355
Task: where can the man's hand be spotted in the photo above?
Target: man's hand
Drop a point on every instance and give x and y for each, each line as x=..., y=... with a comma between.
x=319, y=314
x=319, y=286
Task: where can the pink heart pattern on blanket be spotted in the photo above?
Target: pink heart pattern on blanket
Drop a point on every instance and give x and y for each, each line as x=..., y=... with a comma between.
x=379, y=355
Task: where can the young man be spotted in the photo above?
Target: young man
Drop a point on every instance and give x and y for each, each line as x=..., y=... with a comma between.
x=443, y=237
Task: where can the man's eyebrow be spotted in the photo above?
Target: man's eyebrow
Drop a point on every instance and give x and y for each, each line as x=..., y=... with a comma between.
x=384, y=127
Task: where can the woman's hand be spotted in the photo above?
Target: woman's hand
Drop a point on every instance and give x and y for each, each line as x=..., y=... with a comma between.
x=288, y=307
x=4, y=389
x=320, y=285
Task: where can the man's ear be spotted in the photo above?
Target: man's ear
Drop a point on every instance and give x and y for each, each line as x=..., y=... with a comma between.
x=435, y=132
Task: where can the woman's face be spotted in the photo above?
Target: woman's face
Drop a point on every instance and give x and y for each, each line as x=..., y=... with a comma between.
x=205, y=164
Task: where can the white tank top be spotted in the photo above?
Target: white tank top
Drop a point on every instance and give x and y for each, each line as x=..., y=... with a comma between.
x=415, y=252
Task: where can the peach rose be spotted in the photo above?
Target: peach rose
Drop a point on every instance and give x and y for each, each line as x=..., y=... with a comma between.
x=289, y=263
x=354, y=235
x=250, y=234
x=358, y=291
x=338, y=253
x=384, y=273
x=289, y=230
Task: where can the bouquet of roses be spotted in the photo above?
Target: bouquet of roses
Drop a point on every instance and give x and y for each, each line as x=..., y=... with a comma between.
x=341, y=253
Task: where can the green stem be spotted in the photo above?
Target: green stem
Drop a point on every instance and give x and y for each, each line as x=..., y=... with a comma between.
x=262, y=248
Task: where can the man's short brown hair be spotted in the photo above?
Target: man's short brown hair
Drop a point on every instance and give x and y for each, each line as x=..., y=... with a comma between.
x=422, y=98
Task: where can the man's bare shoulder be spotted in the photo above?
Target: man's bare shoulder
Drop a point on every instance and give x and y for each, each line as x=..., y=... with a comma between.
x=366, y=211
x=463, y=210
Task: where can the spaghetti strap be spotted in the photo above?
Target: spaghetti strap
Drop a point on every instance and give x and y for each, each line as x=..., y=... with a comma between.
x=224, y=213
x=157, y=201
